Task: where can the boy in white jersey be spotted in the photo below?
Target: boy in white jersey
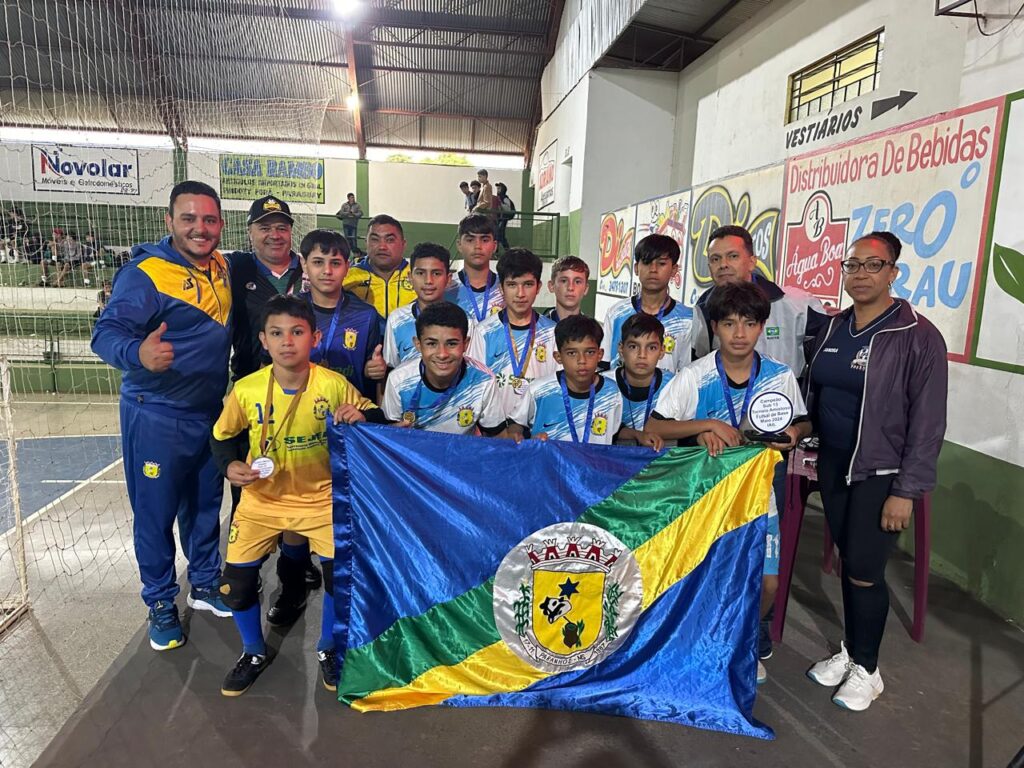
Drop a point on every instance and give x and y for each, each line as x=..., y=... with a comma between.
x=575, y=404
x=517, y=344
x=430, y=277
x=441, y=390
x=479, y=293
x=657, y=260
x=709, y=399
x=638, y=378
x=569, y=283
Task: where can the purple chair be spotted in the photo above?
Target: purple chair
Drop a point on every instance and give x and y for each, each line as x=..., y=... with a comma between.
x=802, y=475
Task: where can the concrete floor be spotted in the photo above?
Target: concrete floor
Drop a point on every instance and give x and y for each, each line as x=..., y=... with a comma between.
x=79, y=684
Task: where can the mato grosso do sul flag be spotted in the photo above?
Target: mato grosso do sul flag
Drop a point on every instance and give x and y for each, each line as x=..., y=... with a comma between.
x=474, y=572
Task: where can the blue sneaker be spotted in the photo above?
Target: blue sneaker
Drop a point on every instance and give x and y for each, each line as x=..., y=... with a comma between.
x=164, y=628
x=208, y=599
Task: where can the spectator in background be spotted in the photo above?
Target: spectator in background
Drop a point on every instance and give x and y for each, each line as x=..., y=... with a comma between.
x=66, y=251
x=485, y=201
x=468, y=200
x=350, y=214
x=506, y=212
x=102, y=297
x=474, y=192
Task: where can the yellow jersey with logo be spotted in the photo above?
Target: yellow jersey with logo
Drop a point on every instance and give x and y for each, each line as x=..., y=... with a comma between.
x=383, y=295
x=301, y=481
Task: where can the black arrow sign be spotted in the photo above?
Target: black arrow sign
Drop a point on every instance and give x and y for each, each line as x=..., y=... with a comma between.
x=882, y=106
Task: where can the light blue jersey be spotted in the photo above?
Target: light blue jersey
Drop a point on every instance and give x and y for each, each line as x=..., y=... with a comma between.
x=543, y=410
x=676, y=318
x=472, y=401
x=479, y=304
x=490, y=346
x=401, y=330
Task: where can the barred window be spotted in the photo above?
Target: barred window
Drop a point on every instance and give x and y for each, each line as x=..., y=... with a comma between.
x=840, y=76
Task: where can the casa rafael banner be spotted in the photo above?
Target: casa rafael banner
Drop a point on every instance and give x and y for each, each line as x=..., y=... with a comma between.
x=928, y=183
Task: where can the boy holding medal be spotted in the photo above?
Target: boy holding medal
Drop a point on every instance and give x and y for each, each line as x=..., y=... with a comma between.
x=638, y=378
x=429, y=274
x=709, y=399
x=479, y=292
x=350, y=329
x=287, y=485
x=517, y=344
x=657, y=262
x=575, y=404
x=441, y=390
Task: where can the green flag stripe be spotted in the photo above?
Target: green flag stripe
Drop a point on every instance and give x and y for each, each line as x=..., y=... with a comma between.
x=635, y=512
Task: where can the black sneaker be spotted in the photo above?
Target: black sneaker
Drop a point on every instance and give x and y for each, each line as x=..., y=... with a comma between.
x=328, y=668
x=285, y=611
x=243, y=674
x=313, y=577
x=764, y=640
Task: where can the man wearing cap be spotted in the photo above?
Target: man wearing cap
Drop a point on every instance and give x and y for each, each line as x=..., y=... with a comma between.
x=269, y=269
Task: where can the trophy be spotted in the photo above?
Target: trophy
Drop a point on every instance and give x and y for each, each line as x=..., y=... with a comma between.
x=769, y=415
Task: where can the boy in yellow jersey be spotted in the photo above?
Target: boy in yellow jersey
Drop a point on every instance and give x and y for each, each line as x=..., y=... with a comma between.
x=287, y=480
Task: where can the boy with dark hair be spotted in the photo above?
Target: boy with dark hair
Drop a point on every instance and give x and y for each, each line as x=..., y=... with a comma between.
x=442, y=390
x=570, y=282
x=429, y=272
x=517, y=344
x=709, y=399
x=478, y=291
x=656, y=260
x=638, y=378
x=286, y=479
x=575, y=404
x=381, y=279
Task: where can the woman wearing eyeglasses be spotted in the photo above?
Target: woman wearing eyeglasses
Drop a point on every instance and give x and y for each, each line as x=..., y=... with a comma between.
x=877, y=382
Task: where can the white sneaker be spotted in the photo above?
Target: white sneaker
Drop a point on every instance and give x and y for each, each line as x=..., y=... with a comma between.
x=762, y=673
x=831, y=671
x=859, y=689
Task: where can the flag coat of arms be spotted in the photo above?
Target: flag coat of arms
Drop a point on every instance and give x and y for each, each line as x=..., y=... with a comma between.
x=474, y=572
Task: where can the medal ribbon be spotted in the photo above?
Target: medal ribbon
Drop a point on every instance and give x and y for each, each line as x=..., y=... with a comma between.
x=520, y=364
x=441, y=402
x=481, y=313
x=638, y=306
x=727, y=390
x=269, y=406
x=651, y=390
x=321, y=352
x=568, y=411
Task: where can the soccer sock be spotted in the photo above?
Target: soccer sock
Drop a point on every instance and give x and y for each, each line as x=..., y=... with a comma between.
x=248, y=623
x=298, y=552
x=326, y=641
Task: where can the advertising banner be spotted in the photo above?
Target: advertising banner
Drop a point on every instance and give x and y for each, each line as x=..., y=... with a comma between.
x=85, y=170
x=546, y=181
x=293, y=179
x=615, y=248
x=668, y=215
x=928, y=183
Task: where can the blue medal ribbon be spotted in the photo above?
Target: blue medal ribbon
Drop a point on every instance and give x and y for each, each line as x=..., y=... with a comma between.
x=568, y=411
x=727, y=390
x=519, y=364
x=480, y=313
x=321, y=352
x=651, y=390
x=440, y=403
x=661, y=312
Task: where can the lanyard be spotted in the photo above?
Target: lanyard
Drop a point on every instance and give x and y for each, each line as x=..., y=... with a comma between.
x=322, y=351
x=651, y=390
x=569, y=414
x=440, y=403
x=638, y=306
x=520, y=364
x=269, y=409
x=727, y=390
x=479, y=312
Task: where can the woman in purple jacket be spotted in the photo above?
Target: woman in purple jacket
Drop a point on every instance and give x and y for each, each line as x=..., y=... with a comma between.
x=880, y=432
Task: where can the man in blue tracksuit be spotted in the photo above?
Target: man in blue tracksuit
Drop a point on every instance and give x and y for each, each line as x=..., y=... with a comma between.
x=167, y=327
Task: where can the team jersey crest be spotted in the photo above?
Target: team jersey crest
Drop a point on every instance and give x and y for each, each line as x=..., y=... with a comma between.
x=670, y=344
x=351, y=338
x=151, y=470
x=542, y=353
x=599, y=425
x=320, y=408
x=466, y=417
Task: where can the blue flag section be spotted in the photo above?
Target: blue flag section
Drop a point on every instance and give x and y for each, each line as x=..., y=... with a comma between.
x=475, y=572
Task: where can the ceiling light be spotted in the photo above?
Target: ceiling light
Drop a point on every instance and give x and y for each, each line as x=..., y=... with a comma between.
x=346, y=7
x=352, y=102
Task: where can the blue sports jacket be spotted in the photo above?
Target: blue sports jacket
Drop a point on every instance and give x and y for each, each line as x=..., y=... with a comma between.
x=160, y=285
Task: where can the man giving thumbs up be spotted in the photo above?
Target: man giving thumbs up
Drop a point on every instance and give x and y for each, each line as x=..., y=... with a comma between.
x=167, y=328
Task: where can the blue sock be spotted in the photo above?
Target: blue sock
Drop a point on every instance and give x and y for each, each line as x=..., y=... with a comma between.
x=327, y=624
x=248, y=623
x=295, y=551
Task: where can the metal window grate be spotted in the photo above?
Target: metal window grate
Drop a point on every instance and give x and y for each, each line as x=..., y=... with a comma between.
x=846, y=74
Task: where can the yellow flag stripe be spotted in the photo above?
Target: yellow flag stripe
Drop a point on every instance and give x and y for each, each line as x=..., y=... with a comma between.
x=664, y=559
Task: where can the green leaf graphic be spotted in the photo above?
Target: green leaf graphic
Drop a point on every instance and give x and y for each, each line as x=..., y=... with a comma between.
x=1008, y=265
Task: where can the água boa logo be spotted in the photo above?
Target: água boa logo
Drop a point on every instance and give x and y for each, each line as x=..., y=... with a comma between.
x=567, y=596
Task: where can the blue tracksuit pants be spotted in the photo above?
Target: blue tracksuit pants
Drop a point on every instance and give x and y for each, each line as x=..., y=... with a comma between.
x=171, y=476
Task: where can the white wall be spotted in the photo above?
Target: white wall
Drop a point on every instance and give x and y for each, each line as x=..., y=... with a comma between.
x=568, y=126
x=427, y=193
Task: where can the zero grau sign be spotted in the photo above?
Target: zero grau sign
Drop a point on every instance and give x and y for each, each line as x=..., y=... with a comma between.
x=295, y=179
x=85, y=170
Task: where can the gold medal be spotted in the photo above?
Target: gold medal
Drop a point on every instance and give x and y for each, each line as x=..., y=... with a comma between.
x=515, y=382
x=409, y=417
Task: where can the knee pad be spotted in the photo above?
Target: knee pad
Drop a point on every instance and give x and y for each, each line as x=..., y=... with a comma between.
x=238, y=587
x=327, y=566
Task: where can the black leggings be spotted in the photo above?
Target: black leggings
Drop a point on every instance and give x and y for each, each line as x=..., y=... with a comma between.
x=854, y=515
